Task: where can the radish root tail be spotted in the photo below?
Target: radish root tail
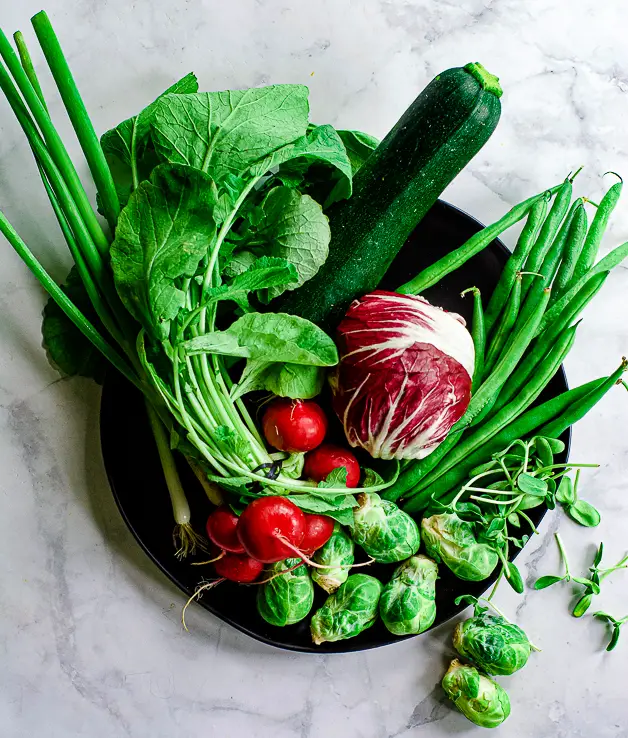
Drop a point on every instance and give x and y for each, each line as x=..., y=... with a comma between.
x=315, y=565
x=210, y=561
x=197, y=596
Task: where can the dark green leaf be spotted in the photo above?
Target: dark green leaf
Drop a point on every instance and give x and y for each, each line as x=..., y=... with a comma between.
x=226, y=132
x=532, y=485
x=162, y=235
x=583, y=604
x=67, y=348
x=547, y=581
x=584, y=514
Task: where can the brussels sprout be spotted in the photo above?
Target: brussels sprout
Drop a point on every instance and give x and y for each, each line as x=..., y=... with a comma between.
x=407, y=603
x=494, y=644
x=337, y=554
x=349, y=611
x=288, y=598
x=451, y=540
x=480, y=699
x=385, y=532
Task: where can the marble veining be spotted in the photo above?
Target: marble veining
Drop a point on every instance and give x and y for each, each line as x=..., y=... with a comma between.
x=90, y=639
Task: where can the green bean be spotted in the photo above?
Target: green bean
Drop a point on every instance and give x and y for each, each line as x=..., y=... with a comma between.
x=578, y=410
x=570, y=255
x=479, y=241
x=594, y=236
x=478, y=334
x=515, y=263
x=485, y=432
x=542, y=345
x=548, y=268
x=610, y=261
x=507, y=363
x=416, y=470
x=505, y=325
x=548, y=233
x=526, y=424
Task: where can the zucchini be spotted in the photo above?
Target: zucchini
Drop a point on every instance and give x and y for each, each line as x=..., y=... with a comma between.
x=436, y=137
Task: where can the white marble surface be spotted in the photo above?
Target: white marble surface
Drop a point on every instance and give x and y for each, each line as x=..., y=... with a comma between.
x=90, y=639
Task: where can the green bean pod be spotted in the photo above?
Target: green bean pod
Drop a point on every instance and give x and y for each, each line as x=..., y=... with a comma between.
x=578, y=410
x=525, y=398
x=478, y=242
x=478, y=334
x=516, y=261
x=505, y=325
x=570, y=255
x=596, y=232
x=543, y=344
x=548, y=268
x=548, y=232
x=609, y=262
x=416, y=470
x=525, y=425
x=510, y=357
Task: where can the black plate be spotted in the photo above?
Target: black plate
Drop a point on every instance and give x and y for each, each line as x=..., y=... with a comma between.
x=135, y=475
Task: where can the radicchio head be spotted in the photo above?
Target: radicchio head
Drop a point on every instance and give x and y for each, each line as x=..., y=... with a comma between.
x=404, y=376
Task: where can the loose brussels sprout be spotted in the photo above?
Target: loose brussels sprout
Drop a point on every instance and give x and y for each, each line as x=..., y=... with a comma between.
x=385, y=532
x=337, y=554
x=349, y=611
x=451, y=540
x=494, y=644
x=407, y=603
x=480, y=699
x=288, y=598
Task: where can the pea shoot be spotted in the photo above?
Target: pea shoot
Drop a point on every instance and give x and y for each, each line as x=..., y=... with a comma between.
x=615, y=624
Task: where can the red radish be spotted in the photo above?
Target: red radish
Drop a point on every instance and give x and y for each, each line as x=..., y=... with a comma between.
x=294, y=425
x=267, y=525
x=238, y=568
x=322, y=461
x=221, y=529
x=318, y=531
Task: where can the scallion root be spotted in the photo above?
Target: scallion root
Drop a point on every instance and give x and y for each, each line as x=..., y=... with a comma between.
x=187, y=540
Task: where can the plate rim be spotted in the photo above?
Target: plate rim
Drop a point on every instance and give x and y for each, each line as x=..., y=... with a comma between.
x=351, y=646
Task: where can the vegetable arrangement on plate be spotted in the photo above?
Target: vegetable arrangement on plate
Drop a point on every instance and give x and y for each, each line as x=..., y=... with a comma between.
x=237, y=276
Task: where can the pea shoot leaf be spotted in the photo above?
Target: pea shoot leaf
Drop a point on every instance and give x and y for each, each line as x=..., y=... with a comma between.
x=584, y=513
x=547, y=581
x=532, y=485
